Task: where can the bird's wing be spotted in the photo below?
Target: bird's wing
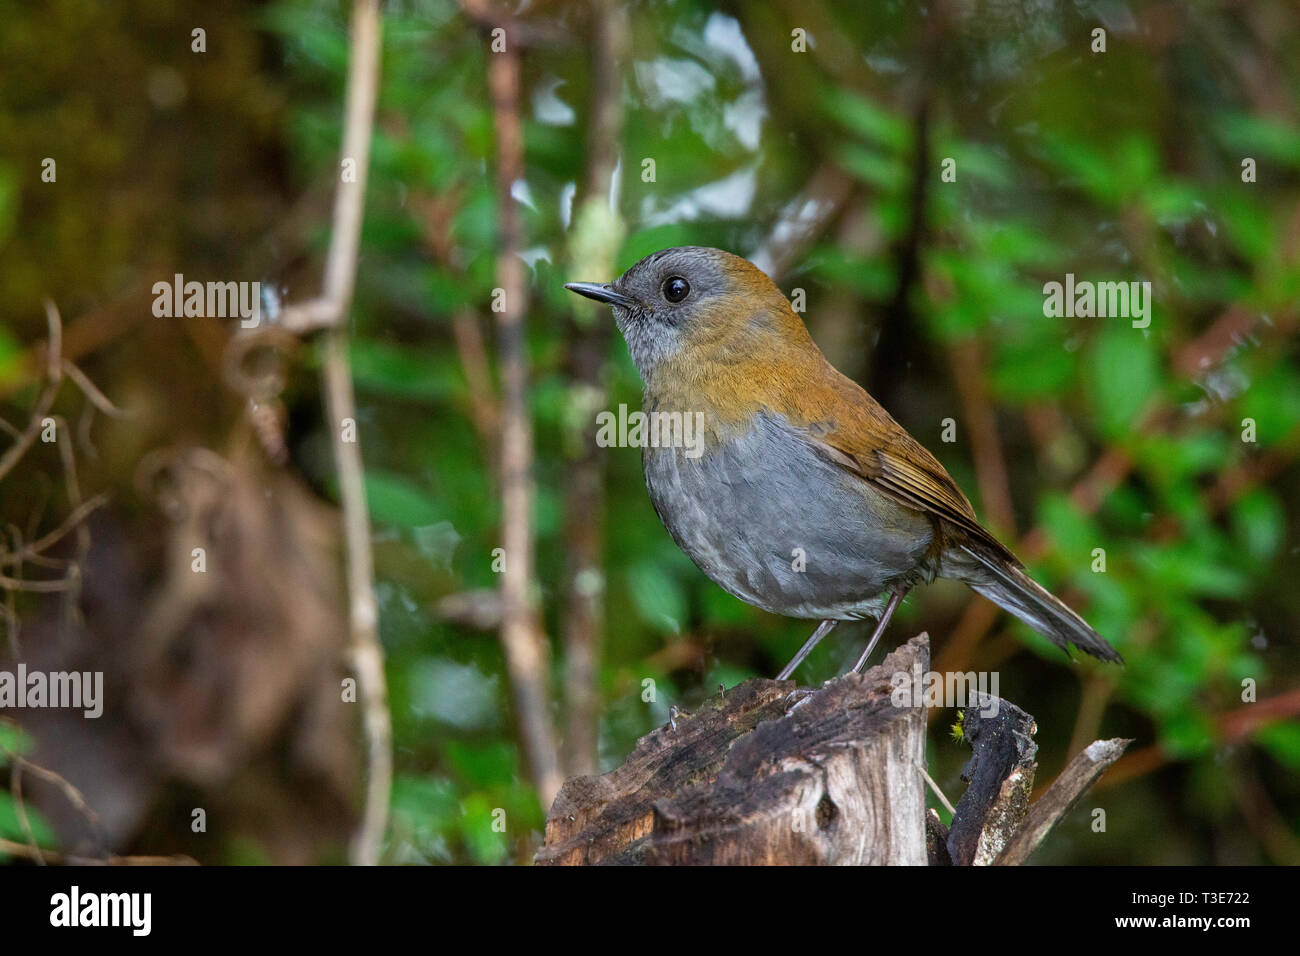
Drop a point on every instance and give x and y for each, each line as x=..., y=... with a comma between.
x=878, y=450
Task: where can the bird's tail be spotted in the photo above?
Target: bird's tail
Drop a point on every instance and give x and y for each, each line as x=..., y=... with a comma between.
x=1010, y=588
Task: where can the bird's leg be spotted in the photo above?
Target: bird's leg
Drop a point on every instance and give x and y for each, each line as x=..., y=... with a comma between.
x=895, y=599
x=823, y=629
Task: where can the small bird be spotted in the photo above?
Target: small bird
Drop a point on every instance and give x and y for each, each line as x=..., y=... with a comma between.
x=796, y=460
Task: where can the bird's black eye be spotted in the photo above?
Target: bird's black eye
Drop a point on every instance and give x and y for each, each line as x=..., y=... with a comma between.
x=676, y=288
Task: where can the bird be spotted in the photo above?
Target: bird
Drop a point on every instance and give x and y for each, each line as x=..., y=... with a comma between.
x=802, y=495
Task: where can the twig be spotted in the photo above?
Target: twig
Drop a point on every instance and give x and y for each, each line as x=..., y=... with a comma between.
x=1046, y=812
x=1232, y=727
x=68, y=458
x=340, y=275
x=329, y=312
x=13, y=626
x=967, y=361
x=583, y=624
x=53, y=856
x=39, y=587
x=1264, y=820
x=934, y=788
x=483, y=411
x=525, y=647
x=54, y=374
x=73, y=795
x=803, y=219
x=32, y=551
x=1098, y=687
x=69, y=790
x=92, y=392
x=331, y=307
x=20, y=808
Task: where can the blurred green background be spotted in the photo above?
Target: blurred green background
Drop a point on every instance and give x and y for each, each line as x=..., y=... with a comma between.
x=1072, y=434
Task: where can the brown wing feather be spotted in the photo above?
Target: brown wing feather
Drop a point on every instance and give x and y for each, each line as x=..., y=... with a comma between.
x=879, y=450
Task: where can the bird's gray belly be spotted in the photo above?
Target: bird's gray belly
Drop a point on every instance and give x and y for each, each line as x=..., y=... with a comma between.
x=778, y=526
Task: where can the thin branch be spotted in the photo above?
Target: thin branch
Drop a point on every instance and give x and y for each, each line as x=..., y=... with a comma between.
x=54, y=372
x=329, y=312
x=340, y=403
x=20, y=808
x=52, y=856
x=70, y=792
x=30, y=552
x=967, y=361
x=68, y=458
x=526, y=650
x=1263, y=818
x=583, y=623
x=1098, y=688
x=1059, y=799
x=92, y=392
x=934, y=788
x=473, y=354
x=74, y=796
x=349, y=200
x=38, y=587
x=1231, y=727
x=803, y=219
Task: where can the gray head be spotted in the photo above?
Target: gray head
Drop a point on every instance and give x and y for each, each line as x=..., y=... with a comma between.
x=688, y=296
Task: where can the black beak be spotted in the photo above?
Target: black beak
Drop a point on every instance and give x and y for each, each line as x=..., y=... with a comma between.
x=601, y=292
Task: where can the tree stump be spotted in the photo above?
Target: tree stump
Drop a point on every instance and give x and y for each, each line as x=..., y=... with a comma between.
x=769, y=773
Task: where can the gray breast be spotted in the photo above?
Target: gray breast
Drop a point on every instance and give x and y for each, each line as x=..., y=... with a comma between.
x=775, y=524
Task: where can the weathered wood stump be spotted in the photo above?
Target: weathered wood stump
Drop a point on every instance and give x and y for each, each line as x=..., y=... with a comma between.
x=768, y=773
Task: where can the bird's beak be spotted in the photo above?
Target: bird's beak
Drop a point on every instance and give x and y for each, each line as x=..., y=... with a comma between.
x=601, y=292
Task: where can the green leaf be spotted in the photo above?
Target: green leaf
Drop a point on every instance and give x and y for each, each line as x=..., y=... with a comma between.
x=658, y=597
x=1124, y=376
x=887, y=173
x=860, y=115
x=982, y=164
x=1074, y=534
x=1248, y=224
x=1273, y=400
x=487, y=845
x=402, y=371
x=11, y=827
x=1186, y=569
x=1259, y=136
x=871, y=278
x=1187, y=733
x=1029, y=369
x=1259, y=523
x=396, y=500
x=1282, y=741
x=1084, y=166
x=13, y=740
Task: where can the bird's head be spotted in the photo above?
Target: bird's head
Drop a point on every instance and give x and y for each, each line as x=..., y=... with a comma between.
x=693, y=305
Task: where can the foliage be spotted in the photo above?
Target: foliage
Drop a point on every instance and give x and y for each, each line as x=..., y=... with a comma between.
x=1117, y=166
x=1067, y=162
